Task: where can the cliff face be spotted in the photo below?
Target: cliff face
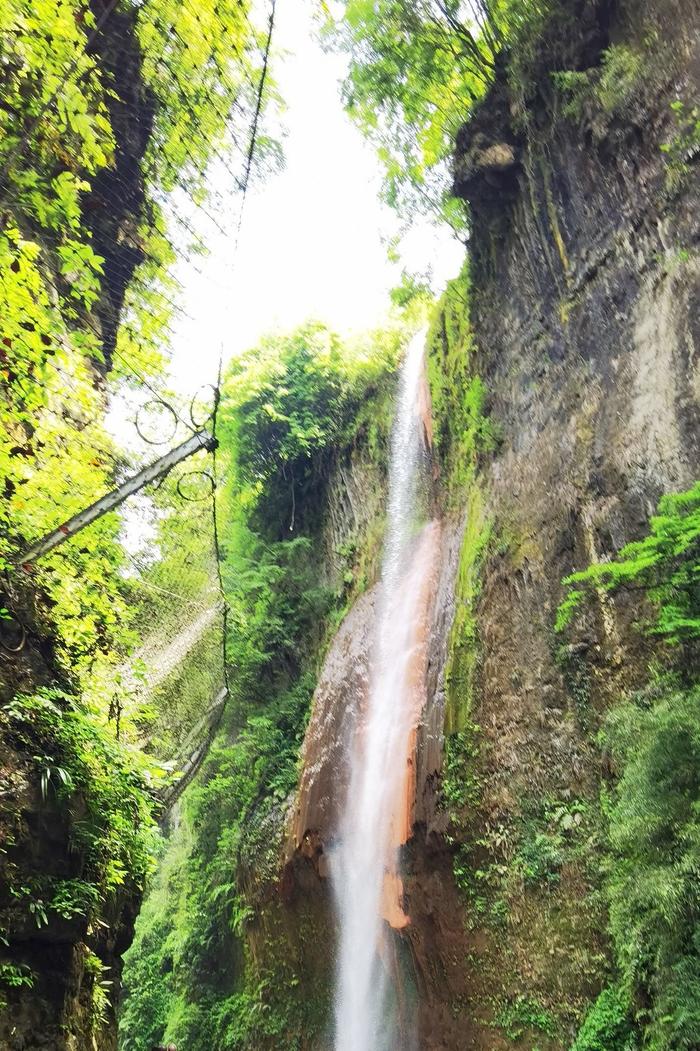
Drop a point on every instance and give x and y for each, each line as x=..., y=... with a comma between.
x=116, y=204
x=58, y=971
x=582, y=326
x=585, y=287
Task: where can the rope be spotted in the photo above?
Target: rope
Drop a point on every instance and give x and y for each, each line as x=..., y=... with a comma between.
x=218, y=554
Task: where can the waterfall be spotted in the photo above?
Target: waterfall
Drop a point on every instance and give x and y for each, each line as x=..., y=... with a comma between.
x=376, y=816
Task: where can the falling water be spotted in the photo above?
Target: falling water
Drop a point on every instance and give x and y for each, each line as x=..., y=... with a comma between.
x=364, y=866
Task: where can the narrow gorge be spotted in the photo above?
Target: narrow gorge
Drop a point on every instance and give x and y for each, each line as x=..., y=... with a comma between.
x=421, y=770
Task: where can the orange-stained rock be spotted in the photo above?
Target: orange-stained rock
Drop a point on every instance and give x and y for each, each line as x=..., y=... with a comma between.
x=340, y=701
x=340, y=696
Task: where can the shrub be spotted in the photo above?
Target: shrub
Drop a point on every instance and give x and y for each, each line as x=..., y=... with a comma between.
x=607, y=1025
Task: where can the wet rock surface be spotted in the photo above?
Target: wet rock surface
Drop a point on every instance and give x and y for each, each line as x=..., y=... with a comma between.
x=339, y=700
x=585, y=288
x=586, y=285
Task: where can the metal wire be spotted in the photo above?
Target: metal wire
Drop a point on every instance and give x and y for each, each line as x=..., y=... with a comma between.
x=127, y=280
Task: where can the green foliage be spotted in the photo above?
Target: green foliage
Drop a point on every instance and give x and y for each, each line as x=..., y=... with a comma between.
x=290, y=408
x=608, y=87
x=607, y=1026
x=104, y=792
x=680, y=150
x=48, y=154
x=288, y=405
x=199, y=65
x=416, y=70
x=13, y=975
x=100, y=987
x=540, y=857
x=411, y=289
x=654, y=843
x=461, y=433
x=523, y=1015
x=57, y=136
x=665, y=565
x=70, y=152
x=550, y=833
x=459, y=788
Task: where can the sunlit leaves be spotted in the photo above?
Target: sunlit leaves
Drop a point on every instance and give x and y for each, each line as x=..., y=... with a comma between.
x=416, y=70
x=55, y=138
x=665, y=564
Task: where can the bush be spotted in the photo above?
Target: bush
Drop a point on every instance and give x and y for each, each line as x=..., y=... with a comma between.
x=93, y=776
x=665, y=565
x=652, y=882
x=607, y=1026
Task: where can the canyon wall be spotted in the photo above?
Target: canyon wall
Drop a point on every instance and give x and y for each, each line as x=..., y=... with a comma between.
x=584, y=293
x=576, y=324
x=58, y=969
x=564, y=366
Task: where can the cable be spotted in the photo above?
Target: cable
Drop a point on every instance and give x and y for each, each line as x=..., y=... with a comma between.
x=217, y=546
x=256, y=117
x=215, y=526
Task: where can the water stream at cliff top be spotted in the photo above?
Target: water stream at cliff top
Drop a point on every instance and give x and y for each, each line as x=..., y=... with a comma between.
x=370, y=1012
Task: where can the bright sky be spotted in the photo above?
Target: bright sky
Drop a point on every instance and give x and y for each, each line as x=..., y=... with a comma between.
x=312, y=242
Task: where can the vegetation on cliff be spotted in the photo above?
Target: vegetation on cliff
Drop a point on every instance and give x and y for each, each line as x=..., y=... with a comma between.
x=650, y=818
x=463, y=433
x=664, y=565
x=638, y=842
x=99, y=123
x=106, y=110
x=213, y=963
x=66, y=126
x=416, y=72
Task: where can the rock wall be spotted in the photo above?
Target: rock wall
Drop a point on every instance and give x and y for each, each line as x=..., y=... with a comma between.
x=116, y=204
x=583, y=315
x=57, y=1012
x=583, y=329
x=585, y=286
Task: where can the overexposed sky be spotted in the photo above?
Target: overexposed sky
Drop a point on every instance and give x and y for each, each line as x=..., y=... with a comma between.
x=312, y=240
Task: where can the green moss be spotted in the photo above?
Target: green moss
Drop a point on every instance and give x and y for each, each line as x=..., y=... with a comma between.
x=462, y=433
x=463, y=642
x=554, y=224
x=461, y=428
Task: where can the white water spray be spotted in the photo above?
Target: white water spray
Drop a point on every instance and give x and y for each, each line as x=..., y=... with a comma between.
x=364, y=866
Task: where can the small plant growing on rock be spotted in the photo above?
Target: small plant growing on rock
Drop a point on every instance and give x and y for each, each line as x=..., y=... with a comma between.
x=684, y=146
